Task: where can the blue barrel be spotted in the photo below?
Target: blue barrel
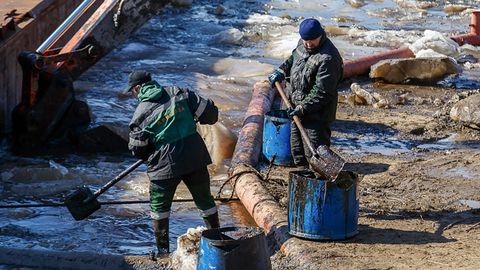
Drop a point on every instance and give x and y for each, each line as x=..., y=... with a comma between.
x=233, y=248
x=276, y=138
x=322, y=210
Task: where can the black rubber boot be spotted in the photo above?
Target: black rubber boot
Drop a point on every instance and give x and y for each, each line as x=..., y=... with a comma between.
x=212, y=221
x=160, y=230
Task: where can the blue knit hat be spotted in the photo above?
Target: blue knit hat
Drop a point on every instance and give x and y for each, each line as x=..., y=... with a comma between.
x=311, y=29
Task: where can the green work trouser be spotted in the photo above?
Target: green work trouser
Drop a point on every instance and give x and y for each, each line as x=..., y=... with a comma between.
x=198, y=183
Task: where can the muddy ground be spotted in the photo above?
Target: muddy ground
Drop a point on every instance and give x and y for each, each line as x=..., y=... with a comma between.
x=419, y=208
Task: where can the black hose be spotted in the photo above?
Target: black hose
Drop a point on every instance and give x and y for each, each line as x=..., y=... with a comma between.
x=102, y=203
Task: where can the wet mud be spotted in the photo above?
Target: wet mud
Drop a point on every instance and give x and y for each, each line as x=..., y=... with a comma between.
x=419, y=197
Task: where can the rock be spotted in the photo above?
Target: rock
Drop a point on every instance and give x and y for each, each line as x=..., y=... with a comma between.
x=426, y=70
x=438, y=102
x=382, y=104
x=417, y=131
x=467, y=111
x=362, y=96
x=103, y=138
x=356, y=3
x=422, y=101
x=452, y=9
x=219, y=10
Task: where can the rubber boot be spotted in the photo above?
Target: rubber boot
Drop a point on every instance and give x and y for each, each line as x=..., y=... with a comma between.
x=212, y=221
x=160, y=230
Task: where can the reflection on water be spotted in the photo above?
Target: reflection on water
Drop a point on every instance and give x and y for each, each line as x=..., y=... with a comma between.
x=112, y=229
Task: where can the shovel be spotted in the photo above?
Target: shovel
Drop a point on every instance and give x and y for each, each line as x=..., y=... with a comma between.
x=83, y=202
x=323, y=161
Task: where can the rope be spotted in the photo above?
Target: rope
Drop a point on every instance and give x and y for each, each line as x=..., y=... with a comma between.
x=237, y=173
x=102, y=203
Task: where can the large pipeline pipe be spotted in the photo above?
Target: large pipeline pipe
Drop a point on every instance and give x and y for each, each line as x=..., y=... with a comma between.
x=249, y=144
x=362, y=65
x=257, y=200
x=472, y=37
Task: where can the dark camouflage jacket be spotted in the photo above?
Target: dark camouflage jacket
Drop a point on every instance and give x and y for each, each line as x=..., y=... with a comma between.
x=312, y=80
x=163, y=130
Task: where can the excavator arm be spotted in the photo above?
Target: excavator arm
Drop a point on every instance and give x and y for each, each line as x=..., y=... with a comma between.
x=48, y=107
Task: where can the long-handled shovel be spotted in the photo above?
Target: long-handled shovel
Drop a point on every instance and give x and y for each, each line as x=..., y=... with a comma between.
x=83, y=202
x=323, y=161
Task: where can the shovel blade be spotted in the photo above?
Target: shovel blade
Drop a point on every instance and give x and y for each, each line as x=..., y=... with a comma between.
x=327, y=163
x=81, y=204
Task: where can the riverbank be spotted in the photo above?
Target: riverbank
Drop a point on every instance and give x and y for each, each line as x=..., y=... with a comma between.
x=419, y=199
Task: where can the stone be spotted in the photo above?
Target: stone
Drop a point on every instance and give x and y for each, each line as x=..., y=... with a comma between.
x=438, y=102
x=356, y=3
x=467, y=111
x=102, y=138
x=219, y=10
x=362, y=96
x=382, y=104
x=426, y=70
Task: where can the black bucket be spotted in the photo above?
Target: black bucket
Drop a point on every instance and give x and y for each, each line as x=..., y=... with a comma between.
x=233, y=248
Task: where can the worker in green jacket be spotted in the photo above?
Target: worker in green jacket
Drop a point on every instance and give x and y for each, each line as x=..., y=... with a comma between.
x=312, y=72
x=163, y=133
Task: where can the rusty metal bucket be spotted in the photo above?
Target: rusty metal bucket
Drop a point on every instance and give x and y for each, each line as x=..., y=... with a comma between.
x=83, y=202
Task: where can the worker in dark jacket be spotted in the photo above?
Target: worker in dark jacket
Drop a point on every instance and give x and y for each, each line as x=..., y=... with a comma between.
x=163, y=133
x=312, y=72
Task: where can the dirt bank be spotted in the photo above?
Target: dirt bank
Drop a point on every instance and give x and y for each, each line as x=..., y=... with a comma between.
x=419, y=194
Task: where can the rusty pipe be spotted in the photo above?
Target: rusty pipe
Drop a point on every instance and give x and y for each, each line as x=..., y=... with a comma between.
x=248, y=187
x=362, y=65
x=58, y=33
x=473, y=37
x=249, y=144
x=475, y=22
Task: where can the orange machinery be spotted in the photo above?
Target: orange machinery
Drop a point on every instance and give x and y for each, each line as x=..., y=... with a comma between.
x=48, y=107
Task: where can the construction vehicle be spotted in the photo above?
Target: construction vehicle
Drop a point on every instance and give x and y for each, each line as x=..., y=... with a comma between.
x=48, y=107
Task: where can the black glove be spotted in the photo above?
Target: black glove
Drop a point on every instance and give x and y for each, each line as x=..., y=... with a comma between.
x=298, y=111
x=276, y=76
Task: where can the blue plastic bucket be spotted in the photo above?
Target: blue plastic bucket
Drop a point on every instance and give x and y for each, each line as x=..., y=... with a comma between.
x=276, y=138
x=322, y=210
x=233, y=248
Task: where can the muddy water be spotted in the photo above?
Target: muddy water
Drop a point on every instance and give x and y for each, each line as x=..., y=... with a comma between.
x=219, y=51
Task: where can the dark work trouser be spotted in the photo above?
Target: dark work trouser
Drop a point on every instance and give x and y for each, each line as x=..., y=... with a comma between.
x=319, y=134
x=163, y=191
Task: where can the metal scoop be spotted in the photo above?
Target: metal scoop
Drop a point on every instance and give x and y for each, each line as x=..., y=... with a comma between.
x=83, y=202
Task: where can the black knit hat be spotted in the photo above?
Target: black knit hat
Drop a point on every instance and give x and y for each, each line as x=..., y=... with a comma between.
x=137, y=77
x=311, y=29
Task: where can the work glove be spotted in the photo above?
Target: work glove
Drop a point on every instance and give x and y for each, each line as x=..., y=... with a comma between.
x=276, y=76
x=298, y=111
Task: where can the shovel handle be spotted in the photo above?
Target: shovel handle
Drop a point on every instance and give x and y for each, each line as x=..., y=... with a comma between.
x=116, y=179
x=296, y=119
